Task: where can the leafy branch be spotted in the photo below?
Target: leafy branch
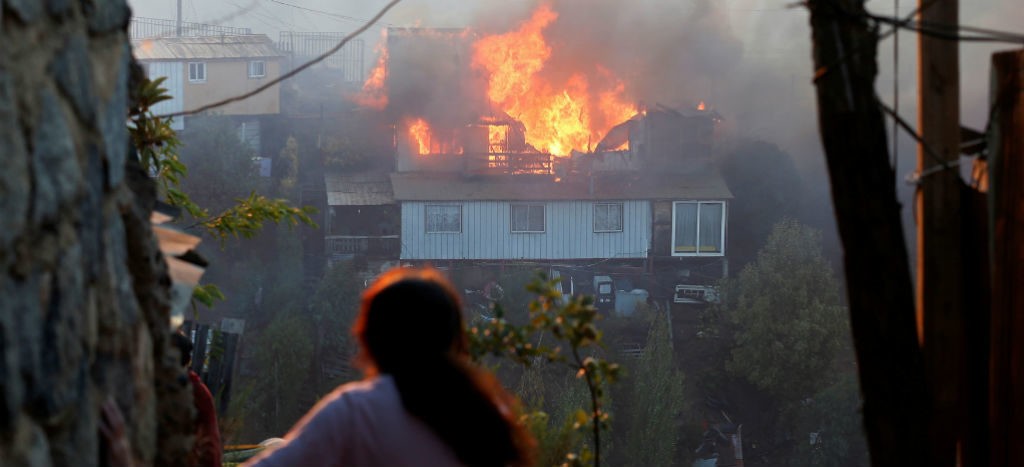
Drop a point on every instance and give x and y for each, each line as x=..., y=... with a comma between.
x=157, y=145
x=569, y=321
x=246, y=218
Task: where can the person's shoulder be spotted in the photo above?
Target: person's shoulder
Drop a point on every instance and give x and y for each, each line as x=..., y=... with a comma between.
x=369, y=388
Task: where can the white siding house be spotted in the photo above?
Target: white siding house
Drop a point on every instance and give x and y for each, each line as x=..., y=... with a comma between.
x=487, y=230
x=517, y=217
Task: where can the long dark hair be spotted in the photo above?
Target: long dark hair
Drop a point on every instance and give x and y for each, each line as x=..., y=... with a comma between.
x=410, y=327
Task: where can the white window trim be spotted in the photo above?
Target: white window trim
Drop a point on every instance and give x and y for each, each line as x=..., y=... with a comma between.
x=672, y=247
x=252, y=63
x=622, y=217
x=189, y=71
x=544, y=219
x=428, y=206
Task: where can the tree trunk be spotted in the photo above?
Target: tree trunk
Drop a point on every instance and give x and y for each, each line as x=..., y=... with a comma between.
x=1006, y=202
x=868, y=216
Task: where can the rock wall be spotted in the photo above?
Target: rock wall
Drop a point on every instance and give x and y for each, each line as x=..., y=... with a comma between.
x=83, y=288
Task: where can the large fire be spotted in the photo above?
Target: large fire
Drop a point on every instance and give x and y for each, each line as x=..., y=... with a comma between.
x=558, y=117
x=419, y=131
x=374, y=94
x=554, y=114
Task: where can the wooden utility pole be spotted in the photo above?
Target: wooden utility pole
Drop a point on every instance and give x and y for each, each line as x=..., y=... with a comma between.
x=1006, y=227
x=880, y=290
x=940, y=269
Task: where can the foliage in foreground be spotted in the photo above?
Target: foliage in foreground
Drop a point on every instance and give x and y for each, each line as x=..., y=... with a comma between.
x=158, y=149
x=570, y=323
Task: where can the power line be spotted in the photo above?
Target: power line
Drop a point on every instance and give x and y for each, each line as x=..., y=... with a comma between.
x=291, y=73
x=939, y=163
x=326, y=13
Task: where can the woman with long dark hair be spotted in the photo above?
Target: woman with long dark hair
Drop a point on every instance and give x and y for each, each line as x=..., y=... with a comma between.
x=422, y=402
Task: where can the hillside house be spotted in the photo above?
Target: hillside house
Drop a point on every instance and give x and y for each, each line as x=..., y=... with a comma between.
x=203, y=69
x=466, y=190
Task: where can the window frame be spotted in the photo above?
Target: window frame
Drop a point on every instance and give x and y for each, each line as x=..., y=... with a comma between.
x=697, y=252
x=263, y=67
x=198, y=66
x=426, y=215
x=622, y=214
x=528, y=206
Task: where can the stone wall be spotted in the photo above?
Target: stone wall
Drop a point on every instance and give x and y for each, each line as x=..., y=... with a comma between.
x=83, y=288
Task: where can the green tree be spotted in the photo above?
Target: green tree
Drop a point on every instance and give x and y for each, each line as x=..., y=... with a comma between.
x=220, y=165
x=785, y=307
x=284, y=354
x=833, y=418
x=654, y=391
x=334, y=308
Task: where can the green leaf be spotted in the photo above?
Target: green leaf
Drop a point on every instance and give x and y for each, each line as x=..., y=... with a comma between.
x=207, y=294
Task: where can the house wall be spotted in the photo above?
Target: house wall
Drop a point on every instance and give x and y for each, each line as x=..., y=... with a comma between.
x=227, y=78
x=174, y=82
x=569, y=233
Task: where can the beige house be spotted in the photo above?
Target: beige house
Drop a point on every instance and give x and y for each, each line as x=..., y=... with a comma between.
x=201, y=70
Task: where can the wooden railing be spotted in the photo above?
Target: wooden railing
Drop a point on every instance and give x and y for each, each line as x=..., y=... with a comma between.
x=363, y=245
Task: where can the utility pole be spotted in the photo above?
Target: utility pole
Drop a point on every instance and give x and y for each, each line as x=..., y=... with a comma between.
x=879, y=287
x=940, y=268
x=178, y=22
x=1006, y=227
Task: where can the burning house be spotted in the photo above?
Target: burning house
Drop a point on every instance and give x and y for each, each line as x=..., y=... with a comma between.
x=496, y=161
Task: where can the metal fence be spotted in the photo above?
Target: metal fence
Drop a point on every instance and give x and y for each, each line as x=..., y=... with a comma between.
x=154, y=27
x=304, y=46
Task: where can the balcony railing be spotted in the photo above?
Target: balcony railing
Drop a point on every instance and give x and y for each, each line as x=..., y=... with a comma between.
x=340, y=246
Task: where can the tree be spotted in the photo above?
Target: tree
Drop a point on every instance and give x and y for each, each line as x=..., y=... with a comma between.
x=786, y=312
x=334, y=308
x=220, y=165
x=654, y=391
x=832, y=417
x=285, y=353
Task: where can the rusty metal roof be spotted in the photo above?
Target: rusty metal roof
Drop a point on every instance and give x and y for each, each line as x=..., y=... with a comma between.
x=410, y=186
x=205, y=47
x=365, y=189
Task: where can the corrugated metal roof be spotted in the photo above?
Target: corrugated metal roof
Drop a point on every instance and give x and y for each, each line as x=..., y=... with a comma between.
x=608, y=186
x=205, y=47
x=367, y=189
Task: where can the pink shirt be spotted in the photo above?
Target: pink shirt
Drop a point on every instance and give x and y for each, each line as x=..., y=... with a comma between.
x=359, y=424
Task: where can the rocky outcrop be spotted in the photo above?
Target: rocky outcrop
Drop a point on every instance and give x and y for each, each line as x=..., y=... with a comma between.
x=83, y=288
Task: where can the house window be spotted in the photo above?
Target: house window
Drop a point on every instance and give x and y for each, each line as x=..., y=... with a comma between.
x=698, y=228
x=608, y=217
x=528, y=218
x=444, y=218
x=257, y=69
x=196, y=72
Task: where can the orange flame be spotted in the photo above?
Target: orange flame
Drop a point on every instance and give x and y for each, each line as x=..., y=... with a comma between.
x=558, y=117
x=701, y=106
x=497, y=137
x=426, y=140
x=419, y=131
x=374, y=95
